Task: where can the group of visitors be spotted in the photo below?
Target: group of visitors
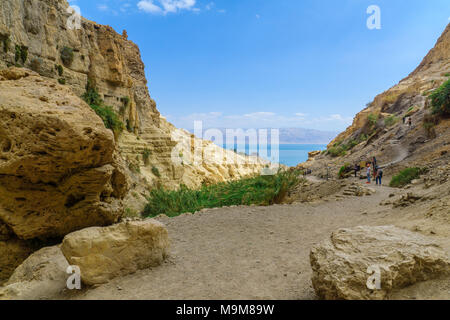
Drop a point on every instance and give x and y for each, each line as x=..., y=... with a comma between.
x=372, y=171
x=407, y=121
x=377, y=172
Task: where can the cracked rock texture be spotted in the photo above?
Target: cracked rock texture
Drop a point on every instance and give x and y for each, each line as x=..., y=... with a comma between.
x=118, y=250
x=340, y=264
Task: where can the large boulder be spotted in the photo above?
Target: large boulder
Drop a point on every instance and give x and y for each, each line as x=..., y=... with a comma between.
x=58, y=167
x=42, y=275
x=108, y=252
x=345, y=264
x=12, y=253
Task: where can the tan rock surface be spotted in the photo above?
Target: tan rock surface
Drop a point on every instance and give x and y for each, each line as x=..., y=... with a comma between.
x=12, y=253
x=42, y=274
x=105, y=253
x=340, y=264
x=114, y=65
x=58, y=171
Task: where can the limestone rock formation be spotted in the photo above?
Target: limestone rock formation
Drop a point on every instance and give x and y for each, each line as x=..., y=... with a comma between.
x=59, y=170
x=105, y=253
x=42, y=274
x=378, y=130
x=340, y=264
x=49, y=41
x=12, y=252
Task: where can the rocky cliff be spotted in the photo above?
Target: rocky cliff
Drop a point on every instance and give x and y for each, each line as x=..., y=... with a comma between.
x=36, y=35
x=379, y=130
x=61, y=169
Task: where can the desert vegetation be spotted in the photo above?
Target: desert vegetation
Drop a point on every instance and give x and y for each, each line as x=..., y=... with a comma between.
x=405, y=177
x=260, y=190
x=109, y=117
x=440, y=99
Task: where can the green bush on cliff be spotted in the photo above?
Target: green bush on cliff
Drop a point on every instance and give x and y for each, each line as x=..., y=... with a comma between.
x=440, y=99
x=21, y=54
x=67, y=56
x=261, y=190
x=108, y=115
x=405, y=177
x=5, y=39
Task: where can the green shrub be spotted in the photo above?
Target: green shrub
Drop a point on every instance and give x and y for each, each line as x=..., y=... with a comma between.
x=21, y=54
x=155, y=171
x=145, y=156
x=447, y=74
x=108, y=115
x=6, y=42
x=337, y=151
x=261, y=190
x=390, y=121
x=67, y=56
x=60, y=69
x=440, y=99
x=343, y=170
x=405, y=177
x=372, y=118
x=91, y=95
x=62, y=81
x=110, y=118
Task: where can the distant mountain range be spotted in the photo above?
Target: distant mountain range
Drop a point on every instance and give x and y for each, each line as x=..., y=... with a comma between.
x=298, y=135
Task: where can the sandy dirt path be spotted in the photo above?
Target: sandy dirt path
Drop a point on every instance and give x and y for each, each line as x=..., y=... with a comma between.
x=243, y=252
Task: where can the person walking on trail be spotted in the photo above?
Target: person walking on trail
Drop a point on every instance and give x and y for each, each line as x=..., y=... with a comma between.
x=368, y=173
x=374, y=163
x=357, y=168
x=409, y=122
x=379, y=176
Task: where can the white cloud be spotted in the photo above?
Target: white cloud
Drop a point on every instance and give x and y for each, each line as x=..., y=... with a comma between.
x=149, y=6
x=166, y=6
x=263, y=120
x=103, y=7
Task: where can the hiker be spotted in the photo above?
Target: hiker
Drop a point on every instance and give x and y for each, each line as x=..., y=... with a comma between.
x=379, y=176
x=368, y=173
x=374, y=163
x=356, y=168
x=409, y=122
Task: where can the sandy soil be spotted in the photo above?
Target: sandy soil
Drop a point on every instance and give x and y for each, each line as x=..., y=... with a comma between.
x=245, y=252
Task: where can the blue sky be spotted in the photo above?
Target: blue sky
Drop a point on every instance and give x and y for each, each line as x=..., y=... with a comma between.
x=272, y=63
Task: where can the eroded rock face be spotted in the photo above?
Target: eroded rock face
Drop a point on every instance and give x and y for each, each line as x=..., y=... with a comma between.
x=113, y=64
x=340, y=264
x=12, y=253
x=124, y=248
x=58, y=171
x=42, y=274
